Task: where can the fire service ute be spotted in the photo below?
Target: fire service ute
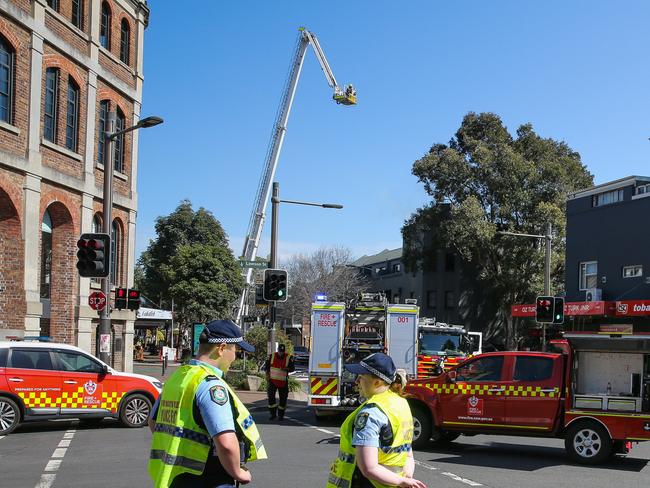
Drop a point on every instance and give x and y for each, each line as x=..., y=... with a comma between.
x=593, y=391
x=347, y=333
x=443, y=346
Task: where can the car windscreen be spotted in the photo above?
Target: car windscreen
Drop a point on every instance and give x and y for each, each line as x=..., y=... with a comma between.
x=431, y=343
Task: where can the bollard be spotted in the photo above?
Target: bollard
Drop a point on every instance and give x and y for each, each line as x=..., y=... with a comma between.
x=164, y=365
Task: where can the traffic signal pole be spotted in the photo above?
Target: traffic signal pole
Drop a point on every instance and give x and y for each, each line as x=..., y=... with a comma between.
x=547, y=276
x=275, y=204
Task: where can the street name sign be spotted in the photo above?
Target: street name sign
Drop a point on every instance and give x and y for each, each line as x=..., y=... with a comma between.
x=253, y=264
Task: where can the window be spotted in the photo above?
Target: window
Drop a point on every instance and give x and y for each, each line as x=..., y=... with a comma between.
x=450, y=262
x=6, y=81
x=78, y=13
x=607, y=198
x=105, y=27
x=72, y=116
x=484, y=369
x=632, y=271
x=3, y=357
x=529, y=368
x=46, y=255
x=115, y=252
x=30, y=359
x=397, y=268
x=53, y=4
x=432, y=299
x=79, y=363
x=642, y=190
x=51, y=102
x=125, y=39
x=450, y=299
x=588, y=275
x=103, y=118
x=119, y=143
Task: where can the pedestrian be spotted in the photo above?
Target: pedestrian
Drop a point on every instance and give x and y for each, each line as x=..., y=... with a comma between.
x=203, y=433
x=375, y=447
x=278, y=366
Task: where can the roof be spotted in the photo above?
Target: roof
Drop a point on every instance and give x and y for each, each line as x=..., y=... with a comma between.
x=609, y=186
x=36, y=344
x=380, y=257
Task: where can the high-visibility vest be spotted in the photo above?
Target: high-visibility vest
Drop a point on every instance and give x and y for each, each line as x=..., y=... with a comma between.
x=392, y=457
x=179, y=444
x=279, y=369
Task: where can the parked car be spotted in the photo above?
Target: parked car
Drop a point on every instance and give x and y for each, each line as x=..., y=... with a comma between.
x=44, y=381
x=301, y=355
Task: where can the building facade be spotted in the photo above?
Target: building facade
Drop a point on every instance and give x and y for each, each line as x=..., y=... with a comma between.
x=64, y=65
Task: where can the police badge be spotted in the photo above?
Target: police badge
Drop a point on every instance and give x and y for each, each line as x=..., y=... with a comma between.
x=360, y=420
x=219, y=395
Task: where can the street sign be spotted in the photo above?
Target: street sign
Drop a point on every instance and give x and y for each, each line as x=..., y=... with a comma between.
x=97, y=300
x=253, y=264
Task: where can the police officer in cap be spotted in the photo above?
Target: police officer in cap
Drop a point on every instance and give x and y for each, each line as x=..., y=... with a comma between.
x=203, y=433
x=375, y=449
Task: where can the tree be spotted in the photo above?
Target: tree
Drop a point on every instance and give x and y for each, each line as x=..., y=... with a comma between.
x=258, y=337
x=190, y=261
x=485, y=181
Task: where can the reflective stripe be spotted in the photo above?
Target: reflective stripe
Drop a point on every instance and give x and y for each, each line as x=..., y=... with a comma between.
x=258, y=444
x=189, y=434
x=336, y=481
x=172, y=460
x=282, y=408
x=346, y=458
x=273, y=406
x=402, y=448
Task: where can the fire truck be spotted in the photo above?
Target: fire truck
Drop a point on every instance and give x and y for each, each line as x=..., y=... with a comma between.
x=443, y=346
x=344, y=333
x=593, y=391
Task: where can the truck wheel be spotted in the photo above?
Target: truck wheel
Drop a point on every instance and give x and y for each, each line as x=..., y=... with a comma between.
x=449, y=436
x=421, y=427
x=9, y=416
x=135, y=410
x=588, y=443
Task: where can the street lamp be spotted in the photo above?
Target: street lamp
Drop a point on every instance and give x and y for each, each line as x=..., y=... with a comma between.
x=275, y=203
x=104, y=330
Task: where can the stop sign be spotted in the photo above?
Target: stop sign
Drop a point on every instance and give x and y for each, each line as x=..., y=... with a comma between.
x=97, y=300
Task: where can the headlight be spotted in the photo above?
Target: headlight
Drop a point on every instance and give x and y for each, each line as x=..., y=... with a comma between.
x=157, y=384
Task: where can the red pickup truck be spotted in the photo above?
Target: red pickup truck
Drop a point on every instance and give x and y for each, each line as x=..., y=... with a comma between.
x=594, y=392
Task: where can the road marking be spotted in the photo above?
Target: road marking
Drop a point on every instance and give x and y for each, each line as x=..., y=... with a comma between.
x=65, y=443
x=304, y=424
x=462, y=480
x=53, y=465
x=47, y=480
x=59, y=452
x=1, y=437
x=425, y=465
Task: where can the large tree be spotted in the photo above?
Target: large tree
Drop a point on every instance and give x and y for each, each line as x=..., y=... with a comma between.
x=485, y=181
x=190, y=261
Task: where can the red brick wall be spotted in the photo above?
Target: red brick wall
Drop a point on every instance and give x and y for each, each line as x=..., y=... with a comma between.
x=25, y=5
x=12, y=291
x=54, y=159
x=113, y=63
x=20, y=40
x=67, y=31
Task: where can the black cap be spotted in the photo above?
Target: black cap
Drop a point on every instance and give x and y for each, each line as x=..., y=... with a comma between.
x=224, y=331
x=281, y=348
x=378, y=364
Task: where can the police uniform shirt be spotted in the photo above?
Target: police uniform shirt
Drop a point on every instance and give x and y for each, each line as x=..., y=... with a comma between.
x=371, y=428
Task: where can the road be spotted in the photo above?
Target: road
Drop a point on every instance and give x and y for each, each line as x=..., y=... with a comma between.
x=68, y=454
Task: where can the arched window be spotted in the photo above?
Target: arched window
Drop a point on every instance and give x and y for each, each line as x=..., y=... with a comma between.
x=103, y=118
x=51, y=103
x=125, y=39
x=6, y=81
x=119, y=142
x=72, y=116
x=105, y=27
x=116, y=251
x=78, y=13
x=46, y=255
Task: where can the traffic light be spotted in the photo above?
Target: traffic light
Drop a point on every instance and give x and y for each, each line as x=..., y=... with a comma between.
x=93, y=255
x=544, y=310
x=259, y=295
x=120, y=298
x=558, y=310
x=275, y=285
x=134, y=299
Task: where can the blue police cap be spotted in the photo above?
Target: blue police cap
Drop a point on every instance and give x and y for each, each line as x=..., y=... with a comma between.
x=378, y=364
x=224, y=331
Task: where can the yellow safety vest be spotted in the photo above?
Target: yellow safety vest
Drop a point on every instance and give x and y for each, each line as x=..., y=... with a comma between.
x=180, y=445
x=393, y=457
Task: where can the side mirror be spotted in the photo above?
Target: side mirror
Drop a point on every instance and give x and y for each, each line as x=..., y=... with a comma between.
x=452, y=376
x=105, y=370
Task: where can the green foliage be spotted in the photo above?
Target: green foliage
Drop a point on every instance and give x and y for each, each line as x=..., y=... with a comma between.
x=485, y=181
x=294, y=384
x=258, y=337
x=191, y=261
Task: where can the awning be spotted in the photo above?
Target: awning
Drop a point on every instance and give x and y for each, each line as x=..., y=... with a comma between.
x=595, y=342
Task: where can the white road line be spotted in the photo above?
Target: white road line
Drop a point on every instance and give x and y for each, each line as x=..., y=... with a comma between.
x=425, y=465
x=53, y=465
x=47, y=480
x=1, y=437
x=65, y=443
x=304, y=424
x=59, y=452
x=462, y=480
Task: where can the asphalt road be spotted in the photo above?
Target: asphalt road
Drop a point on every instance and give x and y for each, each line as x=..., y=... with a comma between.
x=69, y=454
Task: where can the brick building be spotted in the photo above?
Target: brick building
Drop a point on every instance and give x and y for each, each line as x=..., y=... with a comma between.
x=64, y=64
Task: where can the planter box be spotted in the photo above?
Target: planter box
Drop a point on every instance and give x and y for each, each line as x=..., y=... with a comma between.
x=254, y=382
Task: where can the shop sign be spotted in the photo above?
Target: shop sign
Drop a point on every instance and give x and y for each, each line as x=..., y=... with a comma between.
x=627, y=308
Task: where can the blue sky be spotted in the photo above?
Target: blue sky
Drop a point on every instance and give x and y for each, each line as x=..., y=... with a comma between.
x=578, y=71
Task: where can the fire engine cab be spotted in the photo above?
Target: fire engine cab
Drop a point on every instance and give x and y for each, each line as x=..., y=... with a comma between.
x=593, y=391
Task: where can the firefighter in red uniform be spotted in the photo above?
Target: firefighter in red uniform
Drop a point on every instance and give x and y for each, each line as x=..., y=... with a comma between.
x=278, y=367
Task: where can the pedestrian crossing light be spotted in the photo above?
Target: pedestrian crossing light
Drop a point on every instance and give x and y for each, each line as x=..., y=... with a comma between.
x=93, y=255
x=275, y=285
x=121, y=298
x=133, y=301
x=558, y=310
x=544, y=310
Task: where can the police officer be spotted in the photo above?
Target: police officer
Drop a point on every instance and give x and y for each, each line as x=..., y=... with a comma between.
x=278, y=367
x=375, y=449
x=203, y=433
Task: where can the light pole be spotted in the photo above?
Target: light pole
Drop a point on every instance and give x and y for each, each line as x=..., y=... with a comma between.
x=103, y=345
x=547, y=265
x=275, y=204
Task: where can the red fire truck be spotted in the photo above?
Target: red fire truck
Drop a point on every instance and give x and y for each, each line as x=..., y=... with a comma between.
x=593, y=391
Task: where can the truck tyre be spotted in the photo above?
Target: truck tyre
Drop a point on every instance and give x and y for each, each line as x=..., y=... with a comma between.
x=135, y=410
x=421, y=427
x=588, y=443
x=449, y=436
x=9, y=415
